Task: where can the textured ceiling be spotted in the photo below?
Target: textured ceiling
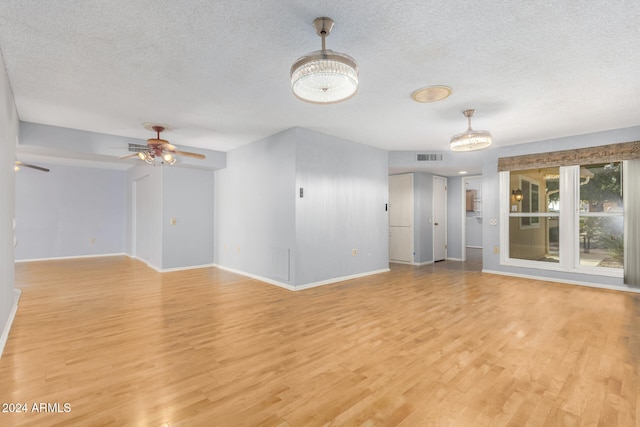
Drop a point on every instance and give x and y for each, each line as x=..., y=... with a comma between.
x=218, y=71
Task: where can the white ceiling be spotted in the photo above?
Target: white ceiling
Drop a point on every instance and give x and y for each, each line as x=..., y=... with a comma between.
x=218, y=71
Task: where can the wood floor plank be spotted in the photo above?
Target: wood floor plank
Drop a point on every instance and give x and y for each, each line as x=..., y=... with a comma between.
x=437, y=345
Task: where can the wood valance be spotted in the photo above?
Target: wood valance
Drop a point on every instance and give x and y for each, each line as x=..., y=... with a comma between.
x=579, y=156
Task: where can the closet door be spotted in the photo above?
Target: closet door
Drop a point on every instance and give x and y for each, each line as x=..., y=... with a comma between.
x=401, y=218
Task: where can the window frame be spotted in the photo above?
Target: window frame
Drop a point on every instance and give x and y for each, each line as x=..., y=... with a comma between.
x=568, y=222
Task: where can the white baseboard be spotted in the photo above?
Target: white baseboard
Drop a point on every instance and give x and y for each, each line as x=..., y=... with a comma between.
x=340, y=279
x=567, y=282
x=256, y=277
x=306, y=285
x=410, y=263
x=7, y=327
x=70, y=257
x=189, y=267
x=453, y=259
x=167, y=270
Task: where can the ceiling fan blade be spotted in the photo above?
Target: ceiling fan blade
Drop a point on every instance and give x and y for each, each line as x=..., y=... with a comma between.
x=26, y=165
x=168, y=147
x=188, y=154
x=127, y=156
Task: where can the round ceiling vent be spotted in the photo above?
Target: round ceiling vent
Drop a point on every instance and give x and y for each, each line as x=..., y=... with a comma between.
x=431, y=93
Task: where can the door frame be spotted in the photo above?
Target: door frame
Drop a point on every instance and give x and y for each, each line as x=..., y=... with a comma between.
x=463, y=204
x=433, y=222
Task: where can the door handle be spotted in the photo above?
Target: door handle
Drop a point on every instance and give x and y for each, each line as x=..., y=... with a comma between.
x=435, y=223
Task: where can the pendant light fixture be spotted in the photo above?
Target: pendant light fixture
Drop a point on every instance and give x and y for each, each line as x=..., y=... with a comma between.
x=324, y=76
x=470, y=140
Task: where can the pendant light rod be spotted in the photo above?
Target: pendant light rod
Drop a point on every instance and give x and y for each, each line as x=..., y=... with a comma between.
x=323, y=26
x=468, y=114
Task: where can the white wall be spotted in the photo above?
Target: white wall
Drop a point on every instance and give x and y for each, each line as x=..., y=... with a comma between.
x=8, y=137
x=69, y=212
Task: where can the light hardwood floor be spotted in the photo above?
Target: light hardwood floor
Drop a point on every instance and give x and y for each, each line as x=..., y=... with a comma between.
x=418, y=346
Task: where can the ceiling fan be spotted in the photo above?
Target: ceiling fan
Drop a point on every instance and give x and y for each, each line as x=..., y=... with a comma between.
x=20, y=164
x=161, y=148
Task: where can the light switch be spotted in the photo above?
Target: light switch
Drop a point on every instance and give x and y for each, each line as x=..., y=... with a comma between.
x=173, y=221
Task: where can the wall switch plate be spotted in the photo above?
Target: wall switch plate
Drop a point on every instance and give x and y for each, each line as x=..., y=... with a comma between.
x=173, y=221
x=354, y=252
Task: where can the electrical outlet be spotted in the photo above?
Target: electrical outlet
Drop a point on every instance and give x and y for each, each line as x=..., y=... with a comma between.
x=496, y=249
x=93, y=240
x=354, y=252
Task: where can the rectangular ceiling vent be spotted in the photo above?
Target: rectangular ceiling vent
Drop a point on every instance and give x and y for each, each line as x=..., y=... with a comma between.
x=430, y=157
x=137, y=148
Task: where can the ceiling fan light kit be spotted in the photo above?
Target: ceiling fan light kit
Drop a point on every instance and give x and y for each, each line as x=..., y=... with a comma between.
x=324, y=76
x=470, y=140
x=161, y=148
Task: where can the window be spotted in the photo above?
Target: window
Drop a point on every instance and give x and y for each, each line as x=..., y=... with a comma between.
x=601, y=220
x=530, y=203
x=567, y=218
x=533, y=215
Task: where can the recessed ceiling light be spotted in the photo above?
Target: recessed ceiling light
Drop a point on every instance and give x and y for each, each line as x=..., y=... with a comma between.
x=462, y=172
x=431, y=93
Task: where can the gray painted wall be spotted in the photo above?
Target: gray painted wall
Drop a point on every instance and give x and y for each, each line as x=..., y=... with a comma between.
x=263, y=227
x=187, y=197
x=154, y=195
x=55, y=141
x=346, y=187
x=144, y=190
x=8, y=137
x=491, y=202
x=254, y=198
x=69, y=211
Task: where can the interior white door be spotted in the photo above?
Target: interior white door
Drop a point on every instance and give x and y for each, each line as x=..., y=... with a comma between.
x=439, y=218
x=401, y=244
x=401, y=218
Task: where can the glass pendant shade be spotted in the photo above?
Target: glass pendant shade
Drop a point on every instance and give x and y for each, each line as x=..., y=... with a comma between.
x=470, y=140
x=324, y=76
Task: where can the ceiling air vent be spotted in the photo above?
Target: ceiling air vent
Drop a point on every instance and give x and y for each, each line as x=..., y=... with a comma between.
x=430, y=157
x=137, y=148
